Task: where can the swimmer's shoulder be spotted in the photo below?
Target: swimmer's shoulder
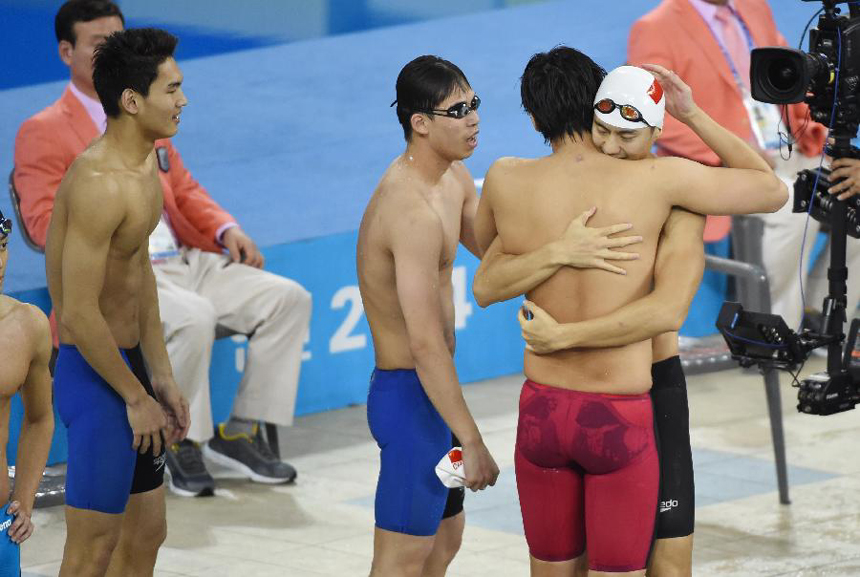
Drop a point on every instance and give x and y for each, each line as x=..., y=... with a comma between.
x=30, y=316
x=37, y=318
x=93, y=199
x=398, y=205
x=461, y=174
x=39, y=328
x=507, y=170
x=88, y=182
x=512, y=164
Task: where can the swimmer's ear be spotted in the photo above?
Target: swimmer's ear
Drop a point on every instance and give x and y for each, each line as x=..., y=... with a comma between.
x=128, y=101
x=420, y=123
x=655, y=133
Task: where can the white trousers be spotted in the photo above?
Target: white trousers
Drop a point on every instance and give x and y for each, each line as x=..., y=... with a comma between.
x=195, y=293
x=781, y=247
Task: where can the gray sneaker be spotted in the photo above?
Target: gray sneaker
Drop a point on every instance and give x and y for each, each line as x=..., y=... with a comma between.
x=250, y=455
x=188, y=476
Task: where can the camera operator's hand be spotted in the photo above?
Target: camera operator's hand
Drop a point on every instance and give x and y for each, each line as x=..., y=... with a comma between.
x=849, y=169
x=679, y=96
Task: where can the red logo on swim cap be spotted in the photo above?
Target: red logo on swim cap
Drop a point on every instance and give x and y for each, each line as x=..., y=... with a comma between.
x=655, y=92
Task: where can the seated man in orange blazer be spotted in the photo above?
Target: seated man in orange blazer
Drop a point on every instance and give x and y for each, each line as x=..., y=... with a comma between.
x=196, y=288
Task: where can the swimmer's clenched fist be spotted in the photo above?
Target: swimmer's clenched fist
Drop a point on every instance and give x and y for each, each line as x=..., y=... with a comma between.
x=148, y=424
x=481, y=471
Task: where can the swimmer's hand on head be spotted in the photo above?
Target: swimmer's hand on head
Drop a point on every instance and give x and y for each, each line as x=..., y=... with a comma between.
x=22, y=527
x=585, y=247
x=679, y=96
x=175, y=408
x=147, y=421
x=480, y=467
x=539, y=329
x=680, y=103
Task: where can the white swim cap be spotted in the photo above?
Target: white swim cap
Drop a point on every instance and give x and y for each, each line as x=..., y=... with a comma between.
x=450, y=469
x=627, y=94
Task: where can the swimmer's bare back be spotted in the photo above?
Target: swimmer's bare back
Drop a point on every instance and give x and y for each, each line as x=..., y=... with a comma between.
x=531, y=203
x=399, y=202
x=103, y=215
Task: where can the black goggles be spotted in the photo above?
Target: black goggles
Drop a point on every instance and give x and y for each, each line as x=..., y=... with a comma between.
x=5, y=227
x=628, y=112
x=459, y=110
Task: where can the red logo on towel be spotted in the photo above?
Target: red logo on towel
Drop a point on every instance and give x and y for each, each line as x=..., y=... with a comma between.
x=456, y=457
x=655, y=92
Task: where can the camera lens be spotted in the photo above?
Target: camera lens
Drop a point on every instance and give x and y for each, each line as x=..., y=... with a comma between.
x=783, y=74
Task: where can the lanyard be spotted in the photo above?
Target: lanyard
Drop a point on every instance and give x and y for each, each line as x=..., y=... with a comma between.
x=725, y=52
x=764, y=119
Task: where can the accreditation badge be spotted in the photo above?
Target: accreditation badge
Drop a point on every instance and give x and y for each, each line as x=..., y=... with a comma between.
x=764, y=120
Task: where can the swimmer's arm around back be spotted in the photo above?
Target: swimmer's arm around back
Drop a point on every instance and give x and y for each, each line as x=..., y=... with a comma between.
x=733, y=151
x=468, y=238
x=37, y=427
x=485, y=220
x=717, y=191
x=95, y=211
x=746, y=186
x=678, y=270
x=503, y=276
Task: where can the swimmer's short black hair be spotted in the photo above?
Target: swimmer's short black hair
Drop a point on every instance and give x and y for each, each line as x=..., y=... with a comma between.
x=424, y=84
x=129, y=59
x=557, y=89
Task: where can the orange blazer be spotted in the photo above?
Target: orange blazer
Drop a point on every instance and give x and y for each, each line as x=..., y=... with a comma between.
x=675, y=36
x=48, y=142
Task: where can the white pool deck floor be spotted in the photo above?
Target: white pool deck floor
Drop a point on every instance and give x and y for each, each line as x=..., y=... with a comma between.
x=323, y=524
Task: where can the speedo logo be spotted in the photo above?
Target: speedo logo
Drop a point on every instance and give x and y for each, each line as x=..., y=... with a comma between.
x=159, y=461
x=668, y=505
x=5, y=525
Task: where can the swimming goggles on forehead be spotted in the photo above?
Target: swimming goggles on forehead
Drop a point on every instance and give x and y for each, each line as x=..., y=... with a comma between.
x=628, y=111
